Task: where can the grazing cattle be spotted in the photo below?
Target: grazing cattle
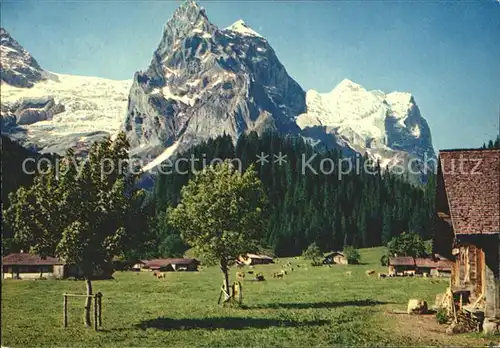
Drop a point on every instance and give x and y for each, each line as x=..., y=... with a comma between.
x=159, y=275
x=348, y=273
x=370, y=272
x=382, y=275
x=291, y=269
x=280, y=274
x=240, y=275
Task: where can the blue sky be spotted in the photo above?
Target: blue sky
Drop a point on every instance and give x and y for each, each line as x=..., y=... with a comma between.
x=446, y=53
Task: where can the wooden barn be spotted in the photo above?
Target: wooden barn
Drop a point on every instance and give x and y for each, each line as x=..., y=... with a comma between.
x=28, y=266
x=433, y=267
x=468, y=224
x=176, y=264
x=335, y=258
x=255, y=259
x=401, y=264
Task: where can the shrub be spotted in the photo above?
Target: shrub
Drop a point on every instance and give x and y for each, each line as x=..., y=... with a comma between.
x=351, y=254
x=442, y=316
x=313, y=253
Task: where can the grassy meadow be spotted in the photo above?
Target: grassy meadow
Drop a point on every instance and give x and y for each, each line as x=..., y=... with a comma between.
x=311, y=306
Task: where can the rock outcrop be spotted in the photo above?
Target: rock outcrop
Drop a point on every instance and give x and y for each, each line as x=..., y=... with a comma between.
x=203, y=82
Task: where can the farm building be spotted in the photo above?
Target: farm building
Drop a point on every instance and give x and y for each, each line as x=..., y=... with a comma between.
x=435, y=268
x=335, y=258
x=400, y=264
x=139, y=265
x=166, y=265
x=28, y=266
x=254, y=259
x=468, y=224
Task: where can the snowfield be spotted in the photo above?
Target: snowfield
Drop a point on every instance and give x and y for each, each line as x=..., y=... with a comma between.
x=91, y=104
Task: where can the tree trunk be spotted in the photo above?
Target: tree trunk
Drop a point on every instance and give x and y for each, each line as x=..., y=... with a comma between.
x=224, y=269
x=88, y=302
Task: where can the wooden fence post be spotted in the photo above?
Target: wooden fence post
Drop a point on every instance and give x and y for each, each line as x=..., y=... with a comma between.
x=99, y=306
x=95, y=312
x=65, y=310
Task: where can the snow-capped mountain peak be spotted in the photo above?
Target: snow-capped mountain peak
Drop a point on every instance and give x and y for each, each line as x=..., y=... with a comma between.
x=347, y=85
x=18, y=67
x=242, y=28
x=203, y=82
x=369, y=122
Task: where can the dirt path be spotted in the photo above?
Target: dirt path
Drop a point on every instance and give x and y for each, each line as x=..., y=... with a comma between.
x=424, y=329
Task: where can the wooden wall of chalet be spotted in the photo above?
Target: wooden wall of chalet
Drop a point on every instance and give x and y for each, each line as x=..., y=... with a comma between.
x=468, y=270
x=477, y=269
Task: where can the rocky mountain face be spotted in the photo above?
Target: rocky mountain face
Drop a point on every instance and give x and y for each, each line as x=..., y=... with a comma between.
x=18, y=67
x=204, y=81
x=52, y=112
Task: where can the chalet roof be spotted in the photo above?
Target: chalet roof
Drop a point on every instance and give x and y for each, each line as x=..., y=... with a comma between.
x=26, y=259
x=402, y=261
x=334, y=253
x=173, y=261
x=472, y=185
x=258, y=256
x=444, y=265
x=430, y=263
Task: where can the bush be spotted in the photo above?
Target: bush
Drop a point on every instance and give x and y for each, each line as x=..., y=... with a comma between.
x=442, y=316
x=313, y=253
x=351, y=254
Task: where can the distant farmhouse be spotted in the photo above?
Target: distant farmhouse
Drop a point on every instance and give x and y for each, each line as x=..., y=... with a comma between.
x=468, y=224
x=28, y=266
x=255, y=259
x=401, y=264
x=335, y=258
x=139, y=265
x=433, y=267
x=166, y=265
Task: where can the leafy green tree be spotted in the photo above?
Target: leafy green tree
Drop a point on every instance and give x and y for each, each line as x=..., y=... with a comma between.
x=220, y=214
x=80, y=211
x=407, y=244
x=351, y=254
x=313, y=253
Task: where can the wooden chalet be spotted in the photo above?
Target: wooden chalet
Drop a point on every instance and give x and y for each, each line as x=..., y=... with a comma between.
x=468, y=225
x=175, y=264
x=433, y=267
x=401, y=264
x=28, y=266
x=335, y=258
x=255, y=259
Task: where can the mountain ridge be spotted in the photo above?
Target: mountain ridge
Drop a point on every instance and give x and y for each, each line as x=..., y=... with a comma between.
x=202, y=82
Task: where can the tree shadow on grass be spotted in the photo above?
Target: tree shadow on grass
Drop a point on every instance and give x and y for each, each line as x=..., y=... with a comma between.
x=353, y=303
x=227, y=323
